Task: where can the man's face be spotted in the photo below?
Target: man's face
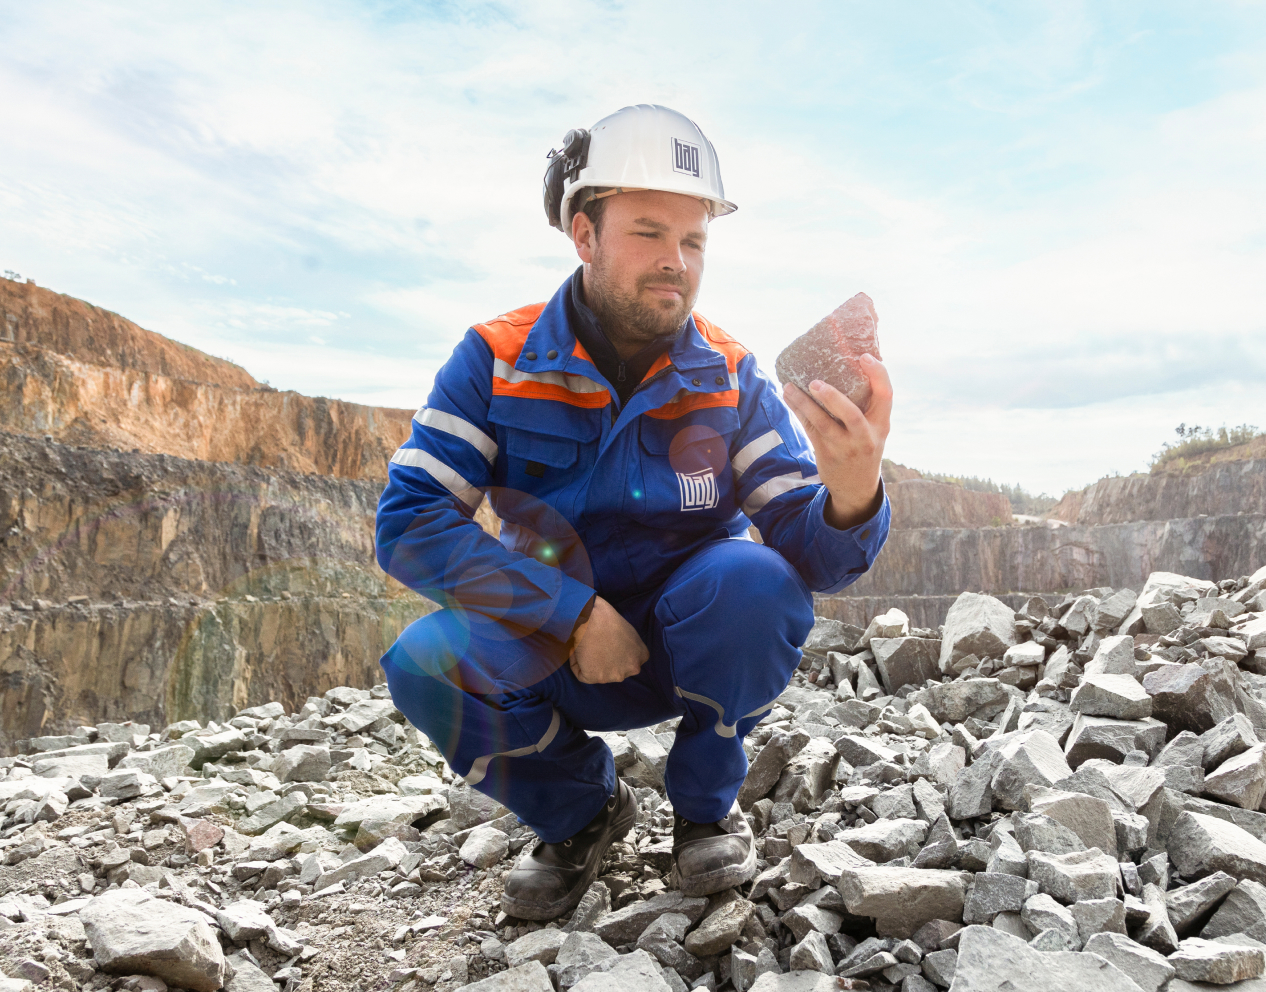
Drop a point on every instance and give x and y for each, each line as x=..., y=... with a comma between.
x=642, y=274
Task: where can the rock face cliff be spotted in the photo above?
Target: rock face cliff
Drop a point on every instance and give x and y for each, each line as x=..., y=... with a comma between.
x=88, y=377
x=944, y=561
x=222, y=558
x=923, y=503
x=48, y=321
x=112, y=526
x=81, y=664
x=1220, y=489
x=153, y=588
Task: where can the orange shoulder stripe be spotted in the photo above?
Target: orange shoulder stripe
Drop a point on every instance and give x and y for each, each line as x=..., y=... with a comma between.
x=505, y=334
x=719, y=340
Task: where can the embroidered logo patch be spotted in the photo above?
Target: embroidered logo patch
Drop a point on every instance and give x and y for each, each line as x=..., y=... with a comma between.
x=685, y=158
x=698, y=490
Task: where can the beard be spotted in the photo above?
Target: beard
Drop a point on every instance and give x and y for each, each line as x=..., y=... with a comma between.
x=627, y=315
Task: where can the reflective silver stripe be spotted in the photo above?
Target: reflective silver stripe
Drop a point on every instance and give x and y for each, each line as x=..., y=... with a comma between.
x=468, y=432
x=775, y=487
x=441, y=473
x=479, y=768
x=722, y=728
x=573, y=383
x=751, y=451
x=734, y=380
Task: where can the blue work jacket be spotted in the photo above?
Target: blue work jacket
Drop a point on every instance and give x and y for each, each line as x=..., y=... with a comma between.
x=594, y=497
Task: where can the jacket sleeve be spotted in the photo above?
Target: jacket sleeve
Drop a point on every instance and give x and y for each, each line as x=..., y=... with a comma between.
x=426, y=535
x=776, y=479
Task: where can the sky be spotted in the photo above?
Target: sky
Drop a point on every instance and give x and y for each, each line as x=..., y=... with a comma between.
x=1057, y=208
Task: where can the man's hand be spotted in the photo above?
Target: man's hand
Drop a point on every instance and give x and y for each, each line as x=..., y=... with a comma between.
x=607, y=648
x=850, y=447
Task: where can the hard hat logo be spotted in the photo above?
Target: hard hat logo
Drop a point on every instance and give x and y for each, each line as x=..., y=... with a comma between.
x=625, y=152
x=685, y=157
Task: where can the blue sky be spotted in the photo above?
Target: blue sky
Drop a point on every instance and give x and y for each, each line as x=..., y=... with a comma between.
x=1058, y=208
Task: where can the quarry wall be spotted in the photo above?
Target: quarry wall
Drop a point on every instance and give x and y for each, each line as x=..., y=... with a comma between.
x=1219, y=489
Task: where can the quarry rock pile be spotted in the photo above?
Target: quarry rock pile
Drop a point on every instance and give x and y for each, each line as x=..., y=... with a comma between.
x=1068, y=795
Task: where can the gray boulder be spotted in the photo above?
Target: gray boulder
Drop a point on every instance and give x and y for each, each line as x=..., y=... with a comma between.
x=1025, y=760
x=1039, y=832
x=1188, y=697
x=1232, y=736
x=1242, y=911
x=1113, y=656
x=1149, y=970
x=1190, y=906
x=133, y=933
x=1200, y=845
x=1117, y=696
x=624, y=926
x=885, y=840
x=1241, y=779
x=1155, y=931
x=976, y=624
x=303, y=763
x=905, y=661
x=1041, y=913
x=1105, y=737
x=1086, y=816
x=530, y=977
x=992, y=961
x=765, y=771
x=1198, y=960
x=1073, y=877
x=902, y=900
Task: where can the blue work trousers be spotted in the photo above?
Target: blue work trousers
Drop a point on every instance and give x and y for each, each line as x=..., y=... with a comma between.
x=502, y=704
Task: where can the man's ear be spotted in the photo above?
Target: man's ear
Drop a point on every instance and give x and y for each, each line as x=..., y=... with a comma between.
x=583, y=236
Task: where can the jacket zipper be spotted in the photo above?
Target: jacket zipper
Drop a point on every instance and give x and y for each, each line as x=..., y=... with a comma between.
x=640, y=386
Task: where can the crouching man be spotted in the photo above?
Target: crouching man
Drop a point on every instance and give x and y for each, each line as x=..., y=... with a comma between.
x=626, y=443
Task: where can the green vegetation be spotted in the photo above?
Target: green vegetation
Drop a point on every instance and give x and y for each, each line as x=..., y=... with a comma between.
x=1196, y=440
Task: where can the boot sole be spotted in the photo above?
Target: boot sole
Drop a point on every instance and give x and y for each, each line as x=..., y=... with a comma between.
x=524, y=910
x=713, y=882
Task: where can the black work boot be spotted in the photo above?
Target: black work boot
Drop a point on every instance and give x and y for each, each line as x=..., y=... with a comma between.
x=551, y=880
x=712, y=857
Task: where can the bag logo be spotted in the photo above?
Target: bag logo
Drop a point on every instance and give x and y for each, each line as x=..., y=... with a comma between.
x=698, y=490
x=685, y=158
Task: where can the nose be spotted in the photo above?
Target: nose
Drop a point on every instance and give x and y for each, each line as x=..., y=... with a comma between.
x=673, y=261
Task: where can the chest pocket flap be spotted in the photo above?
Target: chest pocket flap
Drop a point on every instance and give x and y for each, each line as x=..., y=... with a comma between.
x=557, y=452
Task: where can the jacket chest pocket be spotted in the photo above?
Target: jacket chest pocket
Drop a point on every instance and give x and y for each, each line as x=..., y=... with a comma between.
x=539, y=461
x=544, y=448
x=686, y=465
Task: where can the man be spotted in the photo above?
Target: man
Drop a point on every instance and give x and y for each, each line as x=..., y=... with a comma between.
x=626, y=444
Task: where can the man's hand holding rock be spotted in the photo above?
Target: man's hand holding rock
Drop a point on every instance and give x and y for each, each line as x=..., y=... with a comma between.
x=606, y=647
x=848, y=444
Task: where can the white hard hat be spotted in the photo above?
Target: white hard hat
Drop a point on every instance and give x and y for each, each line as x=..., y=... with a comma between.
x=642, y=147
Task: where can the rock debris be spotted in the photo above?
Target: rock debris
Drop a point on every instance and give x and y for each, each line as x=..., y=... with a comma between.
x=1064, y=796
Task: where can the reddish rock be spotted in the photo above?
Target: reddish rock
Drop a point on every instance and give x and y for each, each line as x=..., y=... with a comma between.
x=831, y=350
x=202, y=834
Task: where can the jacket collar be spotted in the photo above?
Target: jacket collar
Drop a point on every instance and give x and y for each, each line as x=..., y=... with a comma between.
x=552, y=332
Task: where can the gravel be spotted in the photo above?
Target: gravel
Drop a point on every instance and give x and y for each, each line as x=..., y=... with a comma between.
x=1081, y=793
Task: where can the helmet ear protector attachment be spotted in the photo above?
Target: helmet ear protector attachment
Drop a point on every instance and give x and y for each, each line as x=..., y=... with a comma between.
x=564, y=164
